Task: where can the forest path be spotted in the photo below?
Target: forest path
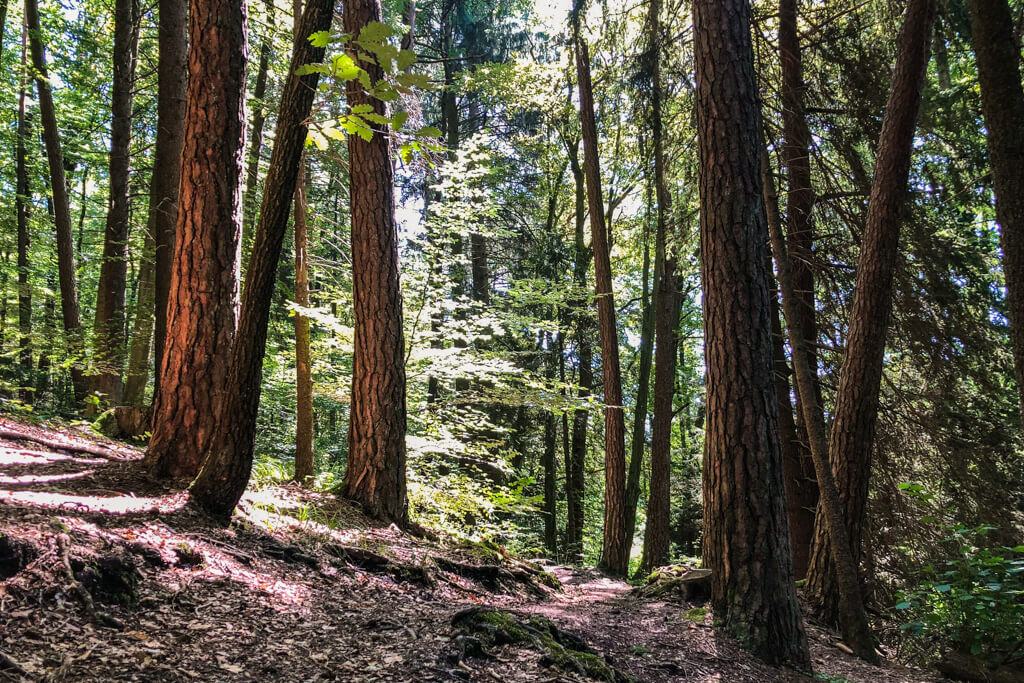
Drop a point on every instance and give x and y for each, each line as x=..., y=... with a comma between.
x=107, y=575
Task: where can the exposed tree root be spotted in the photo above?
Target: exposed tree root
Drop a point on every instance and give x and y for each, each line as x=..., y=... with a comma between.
x=57, y=444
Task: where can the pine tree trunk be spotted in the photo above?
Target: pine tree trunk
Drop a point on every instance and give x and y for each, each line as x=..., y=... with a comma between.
x=375, y=476
x=23, y=207
x=251, y=204
x=575, y=482
x=163, y=185
x=746, y=538
x=856, y=409
x=228, y=464
x=61, y=207
x=202, y=306
x=638, y=442
x=142, y=327
x=800, y=231
x=108, y=330
x=550, y=468
x=1002, y=103
x=616, y=547
x=853, y=618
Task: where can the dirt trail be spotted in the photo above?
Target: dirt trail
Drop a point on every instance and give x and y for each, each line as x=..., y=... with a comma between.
x=108, y=575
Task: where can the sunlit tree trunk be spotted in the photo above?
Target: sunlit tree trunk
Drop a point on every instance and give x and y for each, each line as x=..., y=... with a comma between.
x=108, y=330
x=202, y=307
x=142, y=327
x=61, y=208
x=856, y=410
x=228, y=464
x=163, y=185
x=746, y=537
x=616, y=547
x=638, y=441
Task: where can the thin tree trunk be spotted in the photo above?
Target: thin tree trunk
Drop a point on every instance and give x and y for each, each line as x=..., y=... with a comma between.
x=853, y=618
x=142, y=327
x=856, y=409
x=229, y=454
x=163, y=186
x=1002, y=103
x=638, y=442
x=375, y=476
x=202, y=307
x=616, y=547
x=108, y=330
x=746, y=538
x=251, y=204
x=61, y=208
x=575, y=482
x=549, y=462
x=23, y=206
x=800, y=231
x=667, y=298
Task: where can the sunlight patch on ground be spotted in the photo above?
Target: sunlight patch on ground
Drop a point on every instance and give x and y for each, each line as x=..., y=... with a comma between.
x=22, y=456
x=115, y=505
x=276, y=508
x=43, y=478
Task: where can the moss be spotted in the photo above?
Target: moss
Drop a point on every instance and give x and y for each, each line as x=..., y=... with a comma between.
x=106, y=424
x=559, y=649
x=696, y=615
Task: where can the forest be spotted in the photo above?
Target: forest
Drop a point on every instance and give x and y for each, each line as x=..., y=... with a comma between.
x=429, y=340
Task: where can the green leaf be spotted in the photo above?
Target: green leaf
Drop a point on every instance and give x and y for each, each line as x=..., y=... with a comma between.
x=406, y=58
x=943, y=588
x=362, y=109
x=320, y=39
x=413, y=80
x=903, y=605
x=307, y=69
x=345, y=68
x=375, y=32
x=376, y=118
x=364, y=132
x=398, y=119
x=428, y=131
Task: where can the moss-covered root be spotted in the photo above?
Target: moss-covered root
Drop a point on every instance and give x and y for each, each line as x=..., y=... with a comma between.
x=479, y=628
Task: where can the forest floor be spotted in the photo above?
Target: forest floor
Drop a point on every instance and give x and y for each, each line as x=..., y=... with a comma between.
x=106, y=575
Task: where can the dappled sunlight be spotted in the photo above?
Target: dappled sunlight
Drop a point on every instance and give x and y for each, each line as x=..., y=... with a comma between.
x=280, y=508
x=43, y=478
x=114, y=505
x=22, y=456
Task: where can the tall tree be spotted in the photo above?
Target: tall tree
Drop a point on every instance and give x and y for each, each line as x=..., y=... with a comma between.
x=172, y=37
x=303, y=362
x=375, y=474
x=142, y=326
x=853, y=617
x=61, y=208
x=746, y=538
x=616, y=547
x=108, y=331
x=23, y=206
x=638, y=439
x=800, y=230
x=228, y=461
x=856, y=410
x=202, y=306
x=667, y=301
x=251, y=204
x=997, y=52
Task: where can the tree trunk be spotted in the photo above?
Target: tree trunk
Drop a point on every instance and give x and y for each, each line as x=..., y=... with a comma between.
x=575, y=481
x=638, y=442
x=251, y=204
x=853, y=618
x=615, y=551
x=375, y=476
x=202, y=307
x=800, y=231
x=550, y=468
x=108, y=330
x=23, y=206
x=142, y=326
x=856, y=409
x=746, y=539
x=163, y=185
x=229, y=454
x=61, y=207
x=1002, y=103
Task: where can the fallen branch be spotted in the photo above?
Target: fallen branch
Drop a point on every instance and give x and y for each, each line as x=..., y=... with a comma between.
x=64, y=547
x=57, y=444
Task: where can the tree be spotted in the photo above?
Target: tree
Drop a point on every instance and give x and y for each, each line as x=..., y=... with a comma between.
x=228, y=454
x=23, y=207
x=108, y=331
x=163, y=186
x=856, y=410
x=61, y=207
x=615, y=551
x=997, y=52
x=375, y=473
x=746, y=538
x=251, y=205
x=202, y=305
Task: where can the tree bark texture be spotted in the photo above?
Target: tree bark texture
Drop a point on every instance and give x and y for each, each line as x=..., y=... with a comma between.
x=746, y=538
x=163, y=185
x=856, y=409
x=202, y=306
x=616, y=547
x=141, y=345
x=251, y=203
x=23, y=207
x=228, y=465
x=108, y=330
x=638, y=441
x=1002, y=102
x=375, y=475
x=61, y=207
